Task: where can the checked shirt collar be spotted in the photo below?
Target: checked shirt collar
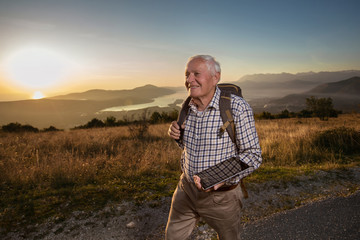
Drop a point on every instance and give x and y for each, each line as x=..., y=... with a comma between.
x=214, y=103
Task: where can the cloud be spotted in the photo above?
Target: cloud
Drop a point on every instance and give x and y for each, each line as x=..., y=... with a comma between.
x=26, y=23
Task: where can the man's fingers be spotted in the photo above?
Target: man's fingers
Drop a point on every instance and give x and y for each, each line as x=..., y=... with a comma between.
x=174, y=131
x=197, y=182
x=174, y=125
x=217, y=186
x=197, y=179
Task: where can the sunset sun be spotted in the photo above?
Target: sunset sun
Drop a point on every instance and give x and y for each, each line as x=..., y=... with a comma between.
x=38, y=95
x=36, y=68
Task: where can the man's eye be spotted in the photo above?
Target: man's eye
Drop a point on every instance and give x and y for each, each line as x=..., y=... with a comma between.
x=196, y=74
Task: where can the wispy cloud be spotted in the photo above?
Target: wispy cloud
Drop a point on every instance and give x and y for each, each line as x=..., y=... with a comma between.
x=26, y=23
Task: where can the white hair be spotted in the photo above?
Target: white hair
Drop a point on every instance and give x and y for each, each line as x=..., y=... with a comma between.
x=211, y=63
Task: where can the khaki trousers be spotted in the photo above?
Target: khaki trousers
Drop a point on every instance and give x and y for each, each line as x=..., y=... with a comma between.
x=220, y=209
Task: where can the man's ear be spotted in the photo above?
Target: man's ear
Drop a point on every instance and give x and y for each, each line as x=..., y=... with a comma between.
x=217, y=78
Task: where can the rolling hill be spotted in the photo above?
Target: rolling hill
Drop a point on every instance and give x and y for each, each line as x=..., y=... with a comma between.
x=348, y=87
x=148, y=91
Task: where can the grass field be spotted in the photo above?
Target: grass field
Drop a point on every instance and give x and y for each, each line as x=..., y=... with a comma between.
x=51, y=174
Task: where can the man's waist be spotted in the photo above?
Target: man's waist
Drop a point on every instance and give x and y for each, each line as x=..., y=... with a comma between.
x=225, y=188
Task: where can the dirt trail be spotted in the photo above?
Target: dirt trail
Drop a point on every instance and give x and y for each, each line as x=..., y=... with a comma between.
x=130, y=222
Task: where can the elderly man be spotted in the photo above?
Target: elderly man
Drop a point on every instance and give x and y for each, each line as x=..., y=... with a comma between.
x=202, y=148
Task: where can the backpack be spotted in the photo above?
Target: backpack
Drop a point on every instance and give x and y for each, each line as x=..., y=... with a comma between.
x=225, y=112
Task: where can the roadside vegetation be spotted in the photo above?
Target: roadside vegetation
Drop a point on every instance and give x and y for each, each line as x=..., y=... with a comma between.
x=50, y=174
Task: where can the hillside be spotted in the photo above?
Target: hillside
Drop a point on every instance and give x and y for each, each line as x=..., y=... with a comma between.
x=75, y=109
x=350, y=86
x=147, y=91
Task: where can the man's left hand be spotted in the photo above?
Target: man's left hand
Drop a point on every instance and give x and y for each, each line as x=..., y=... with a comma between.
x=198, y=185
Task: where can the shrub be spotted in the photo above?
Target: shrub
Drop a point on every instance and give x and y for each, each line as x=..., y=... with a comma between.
x=139, y=129
x=164, y=117
x=155, y=117
x=110, y=121
x=339, y=140
x=322, y=108
x=265, y=115
x=17, y=127
x=51, y=129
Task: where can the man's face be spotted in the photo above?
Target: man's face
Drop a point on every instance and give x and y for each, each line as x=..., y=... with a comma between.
x=200, y=82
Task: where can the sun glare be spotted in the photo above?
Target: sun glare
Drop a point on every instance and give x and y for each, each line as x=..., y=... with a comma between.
x=36, y=67
x=38, y=95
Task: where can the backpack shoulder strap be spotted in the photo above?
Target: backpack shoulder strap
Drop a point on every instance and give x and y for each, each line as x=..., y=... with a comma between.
x=182, y=115
x=184, y=111
x=228, y=120
x=226, y=115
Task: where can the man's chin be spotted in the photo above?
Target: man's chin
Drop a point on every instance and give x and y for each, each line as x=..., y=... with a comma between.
x=193, y=92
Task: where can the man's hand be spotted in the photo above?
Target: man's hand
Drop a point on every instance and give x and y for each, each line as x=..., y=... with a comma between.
x=198, y=185
x=174, y=130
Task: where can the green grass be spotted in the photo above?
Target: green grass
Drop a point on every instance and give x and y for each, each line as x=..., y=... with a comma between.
x=34, y=205
x=286, y=174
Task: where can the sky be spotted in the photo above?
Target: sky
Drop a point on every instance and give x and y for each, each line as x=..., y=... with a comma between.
x=54, y=47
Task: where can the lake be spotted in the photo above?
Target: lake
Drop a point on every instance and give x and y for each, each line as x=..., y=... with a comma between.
x=162, y=101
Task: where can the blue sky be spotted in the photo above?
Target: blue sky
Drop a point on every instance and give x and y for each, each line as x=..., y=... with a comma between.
x=125, y=44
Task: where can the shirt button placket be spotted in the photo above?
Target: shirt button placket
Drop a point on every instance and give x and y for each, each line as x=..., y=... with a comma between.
x=197, y=131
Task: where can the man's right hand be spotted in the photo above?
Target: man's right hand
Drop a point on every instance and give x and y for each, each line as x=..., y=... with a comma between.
x=197, y=181
x=174, y=130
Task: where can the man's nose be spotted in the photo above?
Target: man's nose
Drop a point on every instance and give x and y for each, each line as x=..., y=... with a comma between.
x=190, y=78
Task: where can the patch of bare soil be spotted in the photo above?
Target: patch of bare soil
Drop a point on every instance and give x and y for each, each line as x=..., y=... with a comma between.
x=128, y=221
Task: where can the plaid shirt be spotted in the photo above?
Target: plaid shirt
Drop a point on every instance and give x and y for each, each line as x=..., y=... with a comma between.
x=203, y=147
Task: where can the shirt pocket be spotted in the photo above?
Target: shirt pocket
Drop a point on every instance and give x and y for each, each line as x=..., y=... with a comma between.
x=215, y=136
x=209, y=137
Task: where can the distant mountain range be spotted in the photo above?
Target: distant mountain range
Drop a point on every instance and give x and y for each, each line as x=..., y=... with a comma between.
x=264, y=92
x=345, y=95
x=276, y=85
x=319, y=77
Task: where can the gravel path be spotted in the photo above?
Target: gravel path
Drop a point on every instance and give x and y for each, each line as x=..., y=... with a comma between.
x=126, y=221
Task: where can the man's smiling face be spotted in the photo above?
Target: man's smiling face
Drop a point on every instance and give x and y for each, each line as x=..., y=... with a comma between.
x=200, y=81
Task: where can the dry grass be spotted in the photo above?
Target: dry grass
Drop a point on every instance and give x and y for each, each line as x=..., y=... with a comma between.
x=58, y=159
x=83, y=156
x=86, y=156
x=40, y=173
x=291, y=142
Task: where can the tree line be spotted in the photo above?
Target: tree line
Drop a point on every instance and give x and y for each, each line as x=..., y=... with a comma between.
x=17, y=127
x=322, y=108
x=111, y=121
